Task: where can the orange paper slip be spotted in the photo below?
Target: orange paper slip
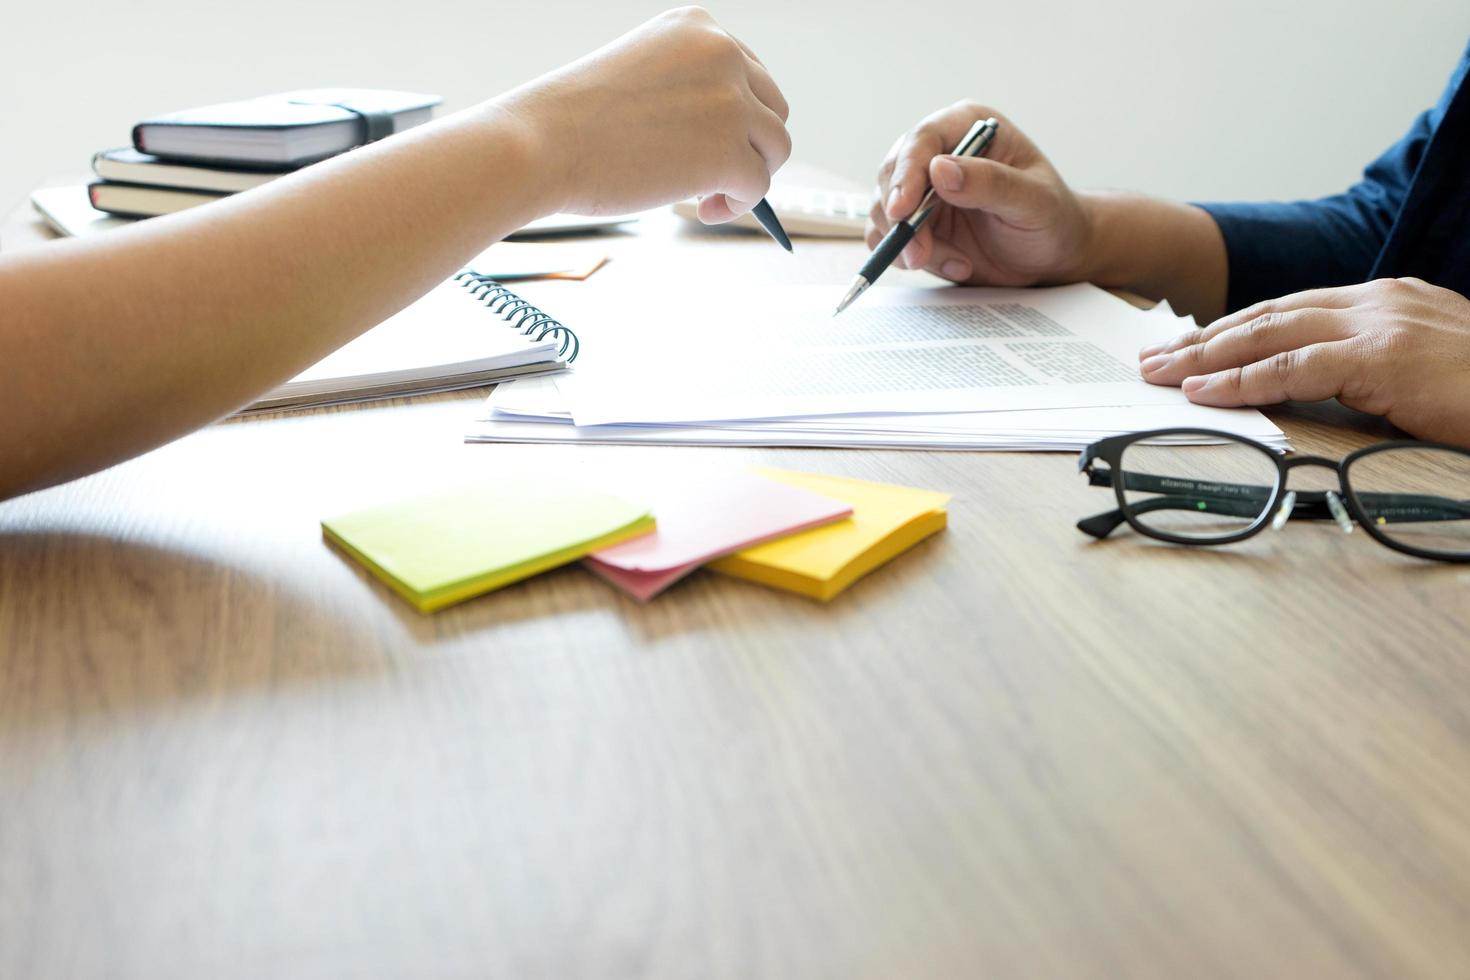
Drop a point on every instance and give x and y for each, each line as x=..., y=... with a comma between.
x=519, y=261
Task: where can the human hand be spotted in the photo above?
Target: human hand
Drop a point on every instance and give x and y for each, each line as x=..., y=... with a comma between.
x=673, y=109
x=1007, y=219
x=1393, y=347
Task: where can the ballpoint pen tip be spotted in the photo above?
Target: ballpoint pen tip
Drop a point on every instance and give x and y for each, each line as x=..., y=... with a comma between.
x=853, y=292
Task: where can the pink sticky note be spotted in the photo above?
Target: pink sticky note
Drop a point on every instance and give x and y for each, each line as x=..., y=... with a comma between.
x=701, y=521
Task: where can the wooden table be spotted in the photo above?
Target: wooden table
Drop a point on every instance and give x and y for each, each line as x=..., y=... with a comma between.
x=1014, y=752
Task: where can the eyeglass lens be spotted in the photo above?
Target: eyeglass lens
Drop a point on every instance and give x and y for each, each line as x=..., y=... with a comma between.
x=1418, y=496
x=1198, y=492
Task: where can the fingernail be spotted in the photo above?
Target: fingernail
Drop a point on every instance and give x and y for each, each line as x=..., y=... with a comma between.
x=956, y=269
x=1152, y=364
x=1151, y=350
x=911, y=256
x=1191, y=385
x=892, y=206
x=946, y=174
x=1183, y=340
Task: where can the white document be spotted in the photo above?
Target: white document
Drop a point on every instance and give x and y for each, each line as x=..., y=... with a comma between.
x=531, y=410
x=898, y=350
x=538, y=399
x=1085, y=382
x=786, y=434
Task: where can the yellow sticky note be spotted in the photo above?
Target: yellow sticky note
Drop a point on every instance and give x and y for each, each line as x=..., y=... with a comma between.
x=443, y=548
x=886, y=521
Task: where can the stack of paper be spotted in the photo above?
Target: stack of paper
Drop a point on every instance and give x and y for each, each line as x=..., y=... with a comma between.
x=905, y=368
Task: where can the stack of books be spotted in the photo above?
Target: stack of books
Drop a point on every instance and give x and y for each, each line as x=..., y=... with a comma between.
x=183, y=159
x=187, y=158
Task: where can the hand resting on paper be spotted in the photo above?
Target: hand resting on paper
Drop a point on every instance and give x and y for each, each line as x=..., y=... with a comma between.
x=1393, y=347
x=1396, y=346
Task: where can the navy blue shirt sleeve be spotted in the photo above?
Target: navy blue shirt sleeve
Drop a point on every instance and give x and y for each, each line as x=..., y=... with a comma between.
x=1278, y=248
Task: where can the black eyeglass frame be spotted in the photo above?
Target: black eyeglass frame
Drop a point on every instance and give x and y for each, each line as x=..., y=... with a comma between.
x=1309, y=504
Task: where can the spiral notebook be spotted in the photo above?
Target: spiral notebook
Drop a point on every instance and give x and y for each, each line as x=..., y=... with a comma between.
x=471, y=330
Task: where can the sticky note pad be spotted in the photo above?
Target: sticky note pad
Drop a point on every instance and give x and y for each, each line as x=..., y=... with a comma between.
x=703, y=519
x=886, y=521
x=443, y=548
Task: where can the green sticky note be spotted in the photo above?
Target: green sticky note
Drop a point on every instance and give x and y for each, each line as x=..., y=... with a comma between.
x=447, y=547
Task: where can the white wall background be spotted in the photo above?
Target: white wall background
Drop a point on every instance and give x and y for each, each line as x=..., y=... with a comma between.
x=1247, y=98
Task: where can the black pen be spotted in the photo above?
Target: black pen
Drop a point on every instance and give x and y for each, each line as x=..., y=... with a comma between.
x=974, y=144
x=771, y=223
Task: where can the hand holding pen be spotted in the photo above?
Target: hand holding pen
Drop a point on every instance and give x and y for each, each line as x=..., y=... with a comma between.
x=974, y=143
x=1006, y=219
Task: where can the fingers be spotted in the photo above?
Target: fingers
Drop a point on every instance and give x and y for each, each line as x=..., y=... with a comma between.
x=915, y=254
x=761, y=82
x=903, y=177
x=909, y=178
x=749, y=53
x=715, y=209
x=1254, y=340
x=769, y=149
x=764, y=87
x=930, y=250
x=1309, y=373
x=950, y=263
x=878, y=225
x=981, y=184
x=937, y=133
x=1335, y=298
x=743, y=189
x=885, y=169
x=769, y=136
x=905, y=174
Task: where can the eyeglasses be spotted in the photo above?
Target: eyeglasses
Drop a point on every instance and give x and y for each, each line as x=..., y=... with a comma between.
x=1413, y=497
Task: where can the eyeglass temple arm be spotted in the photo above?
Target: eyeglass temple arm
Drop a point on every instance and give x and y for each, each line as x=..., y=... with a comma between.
x=1404, y=508
x=1244, y=500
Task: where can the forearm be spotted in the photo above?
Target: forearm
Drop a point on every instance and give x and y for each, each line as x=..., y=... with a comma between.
x=114, y=345
x=1158, y=249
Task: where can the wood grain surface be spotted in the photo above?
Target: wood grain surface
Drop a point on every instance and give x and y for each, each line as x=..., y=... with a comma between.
x=226, y=751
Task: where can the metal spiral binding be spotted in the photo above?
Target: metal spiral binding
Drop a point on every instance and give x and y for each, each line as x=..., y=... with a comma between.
x=529, y=320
